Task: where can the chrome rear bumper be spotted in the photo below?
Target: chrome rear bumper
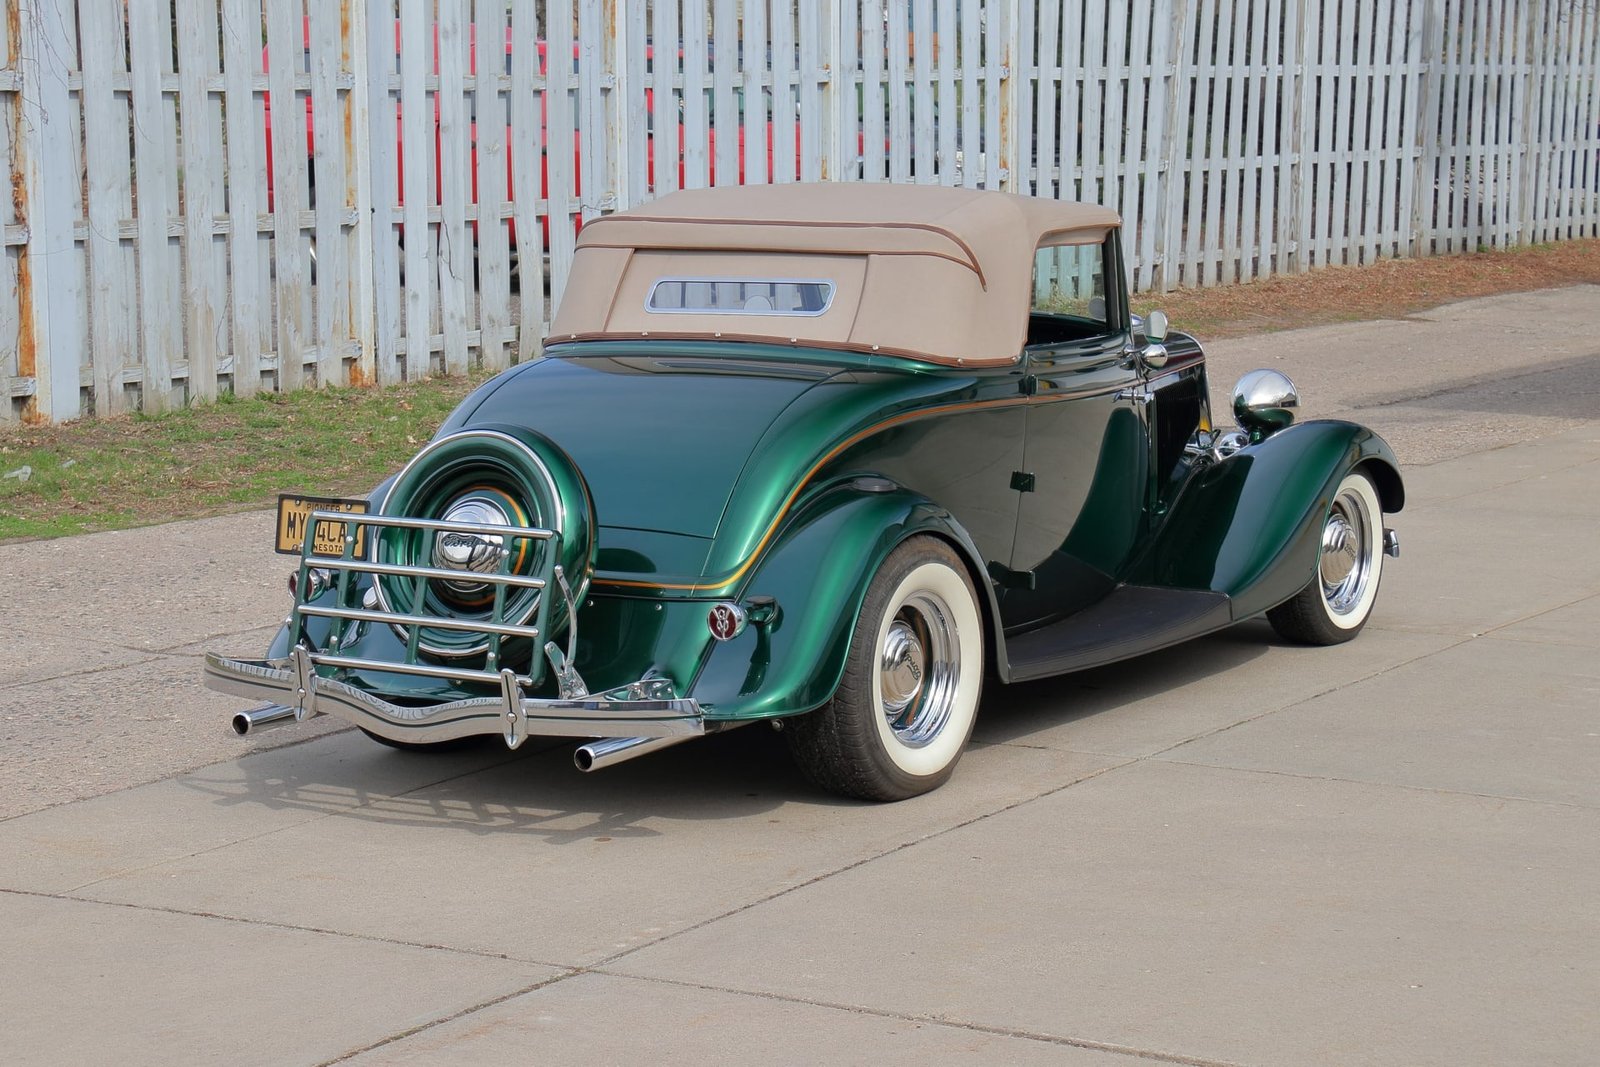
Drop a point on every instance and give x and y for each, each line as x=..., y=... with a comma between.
x=641, y=710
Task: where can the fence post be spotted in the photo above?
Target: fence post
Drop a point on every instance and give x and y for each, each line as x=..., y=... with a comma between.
x=838, y=87
x=1527, y=158
x=1296, y=229
x=378, y=183
x=1419, y=212
x=285, y=43
x=1168, y=117
x=205, y=298
x=1012, y=71
x=50, y=294
x=616, y=75
x=630, y=48
x=362, y=278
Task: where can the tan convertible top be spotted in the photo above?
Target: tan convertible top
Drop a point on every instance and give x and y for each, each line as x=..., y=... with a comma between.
x=936, y=273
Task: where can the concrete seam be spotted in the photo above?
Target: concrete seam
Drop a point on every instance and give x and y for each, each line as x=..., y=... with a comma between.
x=469, y=1010
x=174, y=650
x=164, y=650
x=152, y=657
x=1306, y=700
x=315, y=817
x=276, y=746
x=936, y=1020
x=1494, y=631
x=823, y=876
x=272, y=924
x=1435, y=790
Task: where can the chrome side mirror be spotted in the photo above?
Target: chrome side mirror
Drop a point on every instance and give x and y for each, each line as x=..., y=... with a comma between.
x=1154, y=354
x=1156, y=326
x=1264, y=402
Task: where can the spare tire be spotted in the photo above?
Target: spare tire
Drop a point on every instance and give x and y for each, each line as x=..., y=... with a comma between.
x=485, y=476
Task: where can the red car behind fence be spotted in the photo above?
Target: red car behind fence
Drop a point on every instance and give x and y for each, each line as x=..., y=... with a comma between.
x=544, y=163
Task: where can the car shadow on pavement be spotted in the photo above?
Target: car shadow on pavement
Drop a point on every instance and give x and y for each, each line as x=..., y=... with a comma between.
x=483, y=789
x=1010, y=713
x=1566, y=389
x=480, y=788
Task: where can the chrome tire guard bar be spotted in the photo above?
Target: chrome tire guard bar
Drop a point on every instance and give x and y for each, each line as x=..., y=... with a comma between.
x=639, y=712
x=642, y=709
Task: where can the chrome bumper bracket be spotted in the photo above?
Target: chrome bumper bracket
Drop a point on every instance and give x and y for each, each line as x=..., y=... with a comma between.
x=516, y=730
x=568, y=681
x=305, y=673
x=642, y=709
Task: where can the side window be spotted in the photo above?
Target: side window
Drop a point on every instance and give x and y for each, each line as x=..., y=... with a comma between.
x=1069, y=294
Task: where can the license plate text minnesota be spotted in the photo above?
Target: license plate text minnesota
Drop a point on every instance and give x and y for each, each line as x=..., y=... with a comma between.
x=294, y=515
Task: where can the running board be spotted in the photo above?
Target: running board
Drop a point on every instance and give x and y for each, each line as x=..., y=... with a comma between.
x=1130, y=621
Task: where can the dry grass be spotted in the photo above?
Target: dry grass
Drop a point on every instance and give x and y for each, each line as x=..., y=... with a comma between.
x=102, y=474
x=1390, y=288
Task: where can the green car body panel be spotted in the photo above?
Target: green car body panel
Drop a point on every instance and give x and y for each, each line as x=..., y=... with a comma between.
x=808, y=467
x=758, y=473
x=1248, y=527
x=791, y=522
x=760, y=504
x=718, y=445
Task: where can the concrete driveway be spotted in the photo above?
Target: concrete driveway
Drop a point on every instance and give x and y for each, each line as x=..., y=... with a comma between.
x=1233, y=852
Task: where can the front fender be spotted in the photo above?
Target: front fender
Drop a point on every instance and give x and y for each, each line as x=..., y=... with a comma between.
x=1250, y=526
x=819, y=570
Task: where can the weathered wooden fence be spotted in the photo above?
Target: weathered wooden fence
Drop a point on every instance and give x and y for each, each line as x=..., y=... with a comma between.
x=212, y=195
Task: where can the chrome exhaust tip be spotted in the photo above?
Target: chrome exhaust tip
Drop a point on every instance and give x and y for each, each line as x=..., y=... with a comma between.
x=264, y=718
x=1391, y=543
x=609, y=751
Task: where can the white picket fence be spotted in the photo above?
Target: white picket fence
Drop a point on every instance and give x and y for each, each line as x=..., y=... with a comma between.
x=156, y=250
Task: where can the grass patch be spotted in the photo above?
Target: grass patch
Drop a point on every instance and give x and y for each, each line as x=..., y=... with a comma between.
x=209, y=459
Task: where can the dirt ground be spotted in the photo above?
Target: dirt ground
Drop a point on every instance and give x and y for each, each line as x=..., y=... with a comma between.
x=1390, y=288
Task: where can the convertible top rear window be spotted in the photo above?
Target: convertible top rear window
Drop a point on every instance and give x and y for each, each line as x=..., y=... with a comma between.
x=740, y=296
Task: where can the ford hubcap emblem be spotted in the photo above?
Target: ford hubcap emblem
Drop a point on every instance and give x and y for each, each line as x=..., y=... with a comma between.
x=455, y=550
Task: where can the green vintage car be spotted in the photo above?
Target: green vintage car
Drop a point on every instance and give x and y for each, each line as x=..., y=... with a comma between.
x=827, y=457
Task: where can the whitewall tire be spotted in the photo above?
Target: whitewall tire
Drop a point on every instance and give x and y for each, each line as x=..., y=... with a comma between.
x=1337, y=602
x=901, y=717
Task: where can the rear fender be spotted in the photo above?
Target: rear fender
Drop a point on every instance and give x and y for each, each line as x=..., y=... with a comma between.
x=1250, y=526
x=818, y=571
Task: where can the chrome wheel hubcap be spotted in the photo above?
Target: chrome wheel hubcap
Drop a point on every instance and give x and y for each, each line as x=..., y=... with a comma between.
x=904, y=667
x=469, y=552
x=1348, y=546
x=919, y=664
x=1339, y=545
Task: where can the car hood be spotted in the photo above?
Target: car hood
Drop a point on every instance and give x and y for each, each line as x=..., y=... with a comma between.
x=660, y=439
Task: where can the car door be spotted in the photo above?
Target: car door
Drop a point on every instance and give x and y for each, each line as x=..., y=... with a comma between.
x=1084, y=483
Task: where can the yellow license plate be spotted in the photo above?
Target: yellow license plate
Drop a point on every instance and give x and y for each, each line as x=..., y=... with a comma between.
x=294, y=515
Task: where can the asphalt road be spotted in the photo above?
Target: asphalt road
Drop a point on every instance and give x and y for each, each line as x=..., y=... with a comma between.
x=1233, y=852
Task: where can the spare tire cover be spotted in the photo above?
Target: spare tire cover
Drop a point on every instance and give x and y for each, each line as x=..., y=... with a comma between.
x=486, y=476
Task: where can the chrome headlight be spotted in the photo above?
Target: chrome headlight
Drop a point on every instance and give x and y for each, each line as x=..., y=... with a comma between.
x=1264, y=402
